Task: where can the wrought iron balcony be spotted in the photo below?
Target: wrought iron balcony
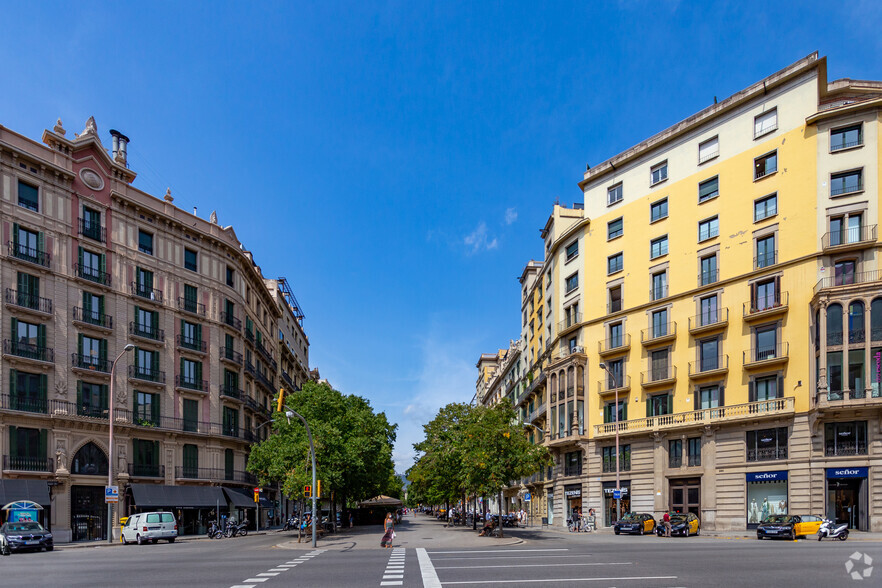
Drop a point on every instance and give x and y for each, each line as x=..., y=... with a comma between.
x=24, y=401
x=143, y=470
x=708, y=277
x=571, y=321
x=659, y=333
x=708, y=320
x=766, y=454
x=231, y=392
x=28, y=464
x=832, y=449
x=763, y=306
x=708, y=366
x=92, y=274
x=658, y=375
x=191, y=383
x=191, y=306
x=28, y=350
x=853, y=237
x=229, y=354
x=614, y=345
x=846, y=279
x=146, y=331
x=91, y=230
x=148, y=375
x=761, y=356
x=230, y=320
x=92, y=317
x=27, y=300
x=28, y=254
x=151, y=294
x=89, y=362
x=767, y=259
x=191, y=343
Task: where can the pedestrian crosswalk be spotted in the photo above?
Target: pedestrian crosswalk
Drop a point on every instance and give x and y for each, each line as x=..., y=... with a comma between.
x=394, y=574
x=277, y=570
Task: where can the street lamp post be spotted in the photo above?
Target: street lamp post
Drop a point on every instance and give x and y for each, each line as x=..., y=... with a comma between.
x=288, y=414
x=128, y=347
x=603, y=366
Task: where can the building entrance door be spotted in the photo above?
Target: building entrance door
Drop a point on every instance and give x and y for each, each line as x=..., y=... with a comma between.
x=88, y=513
x=844, y=498
x=686, y=496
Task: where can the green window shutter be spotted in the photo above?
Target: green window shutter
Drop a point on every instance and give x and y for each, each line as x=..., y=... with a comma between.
x=199, y=334
x=181, y=371
x=670, y=404
x=148, y=279
x=155, y=459
x=722, y=396
x=79, y=343
x=155, y=319
x=624, y=411
x=13, y=381
x=13, y=441
x=100, y=305
x=648, y=407
x=15, y=236
x=41, y=336
x=137, y=314
x=199, y=372
x=155, y=361
x=79, y=393
x=14, y=322
x=34, y=285
x=154, y=408
x=44, y=385
x=102, y=261
x=136, y=454
x=228, y=459
x=80, y=258
x=43, y=444
x=137, y=359
x=102, y=349
x=22, y=283
x=41, y=242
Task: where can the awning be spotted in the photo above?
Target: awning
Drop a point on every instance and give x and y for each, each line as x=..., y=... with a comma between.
x=155, y=495
x=381, y=500
x=13, y=490
x=245, y=499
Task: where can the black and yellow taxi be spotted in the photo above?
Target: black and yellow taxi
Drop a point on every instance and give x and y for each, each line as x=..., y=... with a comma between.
x=684, y=524
x=635, y=523
x=808, y=525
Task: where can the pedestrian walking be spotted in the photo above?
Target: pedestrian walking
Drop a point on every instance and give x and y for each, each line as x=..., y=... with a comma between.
x=666, y=521
x=389, y=532
x=351, y=519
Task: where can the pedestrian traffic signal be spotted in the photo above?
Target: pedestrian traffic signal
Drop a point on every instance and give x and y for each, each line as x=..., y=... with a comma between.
x=307, y=491
x=281, y=400
x=256, y=496
x=318, y=488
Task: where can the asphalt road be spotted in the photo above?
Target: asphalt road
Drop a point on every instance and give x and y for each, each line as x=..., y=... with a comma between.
x=429, y=556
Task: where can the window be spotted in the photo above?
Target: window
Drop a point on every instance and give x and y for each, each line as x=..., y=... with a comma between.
x=708, y=354
x=92, y=352
x=614, y=194
x=615, y=263
x=611, y=415
x=231, y=422
x=658, y=173
x=765, y=207
x=709, y=397
x=146, y=323
x=845, y=229
x=765, y=251
x=616, y=376
x=145, y=242
x=660, y=404
x=29, y=245
x=658, y=247
x=93, y=309
x=27, y=449
x=146, y=408
x=28, y=196
x=766, y=294
x=659, y=323
x=846, y=137
x=659, y=364
x=146, y=364
x=191, y=335
x=766, y=342
x=767, y=444
x=615, y=299
x=29, y=340
x=573, y=463
x=694, y=451
x=709, y=312
x=659, y=285
x=191, y=295
x=844, y=272
x=92, y=224
x=846, y=182
x=190, y=461
x=709, y=149
x=615, y=335
x=145, y=457
x=92, y=266
x=27, y=392
x=144, y=284
x=572, y=250
x=848, y=438
x=765, y=123
x=191, y=374
x=765, y=165
x=766, y=388
x=615, y=229
x=609, y=458
x=89, y=461
x=675, y=453
x=190, y=260
x=228, y=464
x=658, y=210
x=708, y=189
x=230, y=277
x=709, y=273
x=28, y=293
x=708, y=228
x=572, y=282
x=91, y=399
x=191, y=415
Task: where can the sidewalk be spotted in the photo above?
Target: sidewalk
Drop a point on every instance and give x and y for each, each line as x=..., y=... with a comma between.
x=182, y=538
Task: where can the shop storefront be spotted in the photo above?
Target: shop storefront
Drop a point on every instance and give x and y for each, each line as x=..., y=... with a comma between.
x=685, y=495
x=847, y=496
x=549, y=513
x=193, y=506
x=610, y=503
x=573, y=494
x=766, y=495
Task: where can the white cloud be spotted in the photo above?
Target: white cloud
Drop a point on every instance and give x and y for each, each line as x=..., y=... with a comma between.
x=511, y=215
x=479, y=239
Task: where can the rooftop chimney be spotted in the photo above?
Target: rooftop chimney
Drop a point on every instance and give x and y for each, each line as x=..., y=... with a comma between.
x=120, y=142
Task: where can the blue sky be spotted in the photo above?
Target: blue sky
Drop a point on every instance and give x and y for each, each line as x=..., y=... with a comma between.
x=396, y=160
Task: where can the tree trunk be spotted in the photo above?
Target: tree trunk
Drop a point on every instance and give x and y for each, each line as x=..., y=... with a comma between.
x=475, y=512
x=333, y=512
x=500, y=514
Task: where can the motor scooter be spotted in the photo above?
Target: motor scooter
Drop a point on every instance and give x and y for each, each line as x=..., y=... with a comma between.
x=833, y=530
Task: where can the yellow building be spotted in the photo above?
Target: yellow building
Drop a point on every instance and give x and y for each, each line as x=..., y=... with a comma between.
x=746, y=359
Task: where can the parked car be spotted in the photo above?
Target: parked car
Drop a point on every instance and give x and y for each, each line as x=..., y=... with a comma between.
x=681, y=524
x=26, y=535
x=808, y=525
x=4, y=545
x=638, y=523
x=787, y=526
x=150, y=526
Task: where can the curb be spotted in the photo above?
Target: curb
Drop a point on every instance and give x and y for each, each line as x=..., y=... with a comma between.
x=104, y=544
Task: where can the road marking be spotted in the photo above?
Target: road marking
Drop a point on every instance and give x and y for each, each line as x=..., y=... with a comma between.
x=243, y=586
x=398, y=583
x=392, y=576
x=509, y=557
x=278, y=570
x=496, y=551
x=626, y=578
x=257, y=579
x=557, y=565
x=430, y=576
x=270, y=574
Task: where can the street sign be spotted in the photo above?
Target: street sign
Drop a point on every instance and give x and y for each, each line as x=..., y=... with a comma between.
x=111, y=494
x=617, y=494
x=527, y=497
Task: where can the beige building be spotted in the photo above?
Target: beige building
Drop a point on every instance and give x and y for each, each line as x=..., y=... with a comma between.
x=91, y=265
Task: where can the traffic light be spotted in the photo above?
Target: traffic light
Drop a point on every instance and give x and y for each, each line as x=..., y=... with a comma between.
x=256, y=496
x=318, y=488
x=281, y=400
x=307, y=491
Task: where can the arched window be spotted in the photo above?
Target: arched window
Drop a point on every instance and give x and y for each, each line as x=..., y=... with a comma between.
x=90, y=461
x=571, y=380
x=563, y=385
x=834, y=324
x=856, y=322
x=580, y=379
x=553, y=387
x=817, y=329
x=876, y=320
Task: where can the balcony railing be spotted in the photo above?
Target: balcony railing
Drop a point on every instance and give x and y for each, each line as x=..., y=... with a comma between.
x=768, y=454
x=143, y=470
x=92, y=317
x=694, y=460
x=249, y=369
x=858, y=397
x=847, y=188
x=231, y=320
x=29, y=254
x=191, y=383
x=575, y=470
x=847, y=279
x=605, y=386
x=146, y=374
x=658, y=292
x=775, y=302
x=230, y=354
x=659, y=374
x=675, y=461
x=659, y=332
x=609, y=464
x=614, y=344
x=152, y=294
x=767, y=259
x=191, y=343
x=88, y=362
x=709, y=319
x=849, y=237
x=709, y=365
x=92, y=274
x=28, y=464
x=28, y=350
x=27, y=300
x=287, y=379
x=537, y=414
x=191, y=306
x=267, y=383
x=214, y=474
x=24, y=402
x=249, y=336
x=761, y=354
x=748, y=411
x=92, y=231
x=837, y=449
x=231, y=392
x=708, y=277
x=571, y=321
x=230, y=431
x=146, y=331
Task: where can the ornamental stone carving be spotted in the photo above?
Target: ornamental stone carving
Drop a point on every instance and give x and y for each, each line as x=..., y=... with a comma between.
x=91, y=178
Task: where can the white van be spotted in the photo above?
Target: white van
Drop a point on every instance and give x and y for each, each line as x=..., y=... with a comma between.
x=150, y=526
